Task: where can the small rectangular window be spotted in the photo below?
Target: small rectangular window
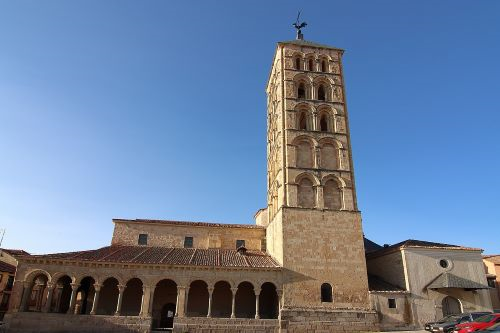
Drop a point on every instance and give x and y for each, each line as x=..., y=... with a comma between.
x=491, y=283
x=188, y=242
x=392, y=303
x=143, y=239
x=263, y=244
x=240, y=243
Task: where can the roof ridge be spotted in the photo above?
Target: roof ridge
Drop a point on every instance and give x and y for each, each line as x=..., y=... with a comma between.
x=246, y=260
x=112, y=253
x=140, y=254
x=192, y=256
x=167, y=254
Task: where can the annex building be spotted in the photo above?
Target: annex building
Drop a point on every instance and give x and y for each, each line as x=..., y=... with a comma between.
x=300, y=268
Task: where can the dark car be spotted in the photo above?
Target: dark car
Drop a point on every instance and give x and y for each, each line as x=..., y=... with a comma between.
x=447, y=324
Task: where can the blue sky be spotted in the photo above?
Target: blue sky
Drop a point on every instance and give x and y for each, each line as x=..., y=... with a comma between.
x=157, y=109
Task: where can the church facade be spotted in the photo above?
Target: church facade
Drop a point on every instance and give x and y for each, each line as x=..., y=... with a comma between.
x=300, y=268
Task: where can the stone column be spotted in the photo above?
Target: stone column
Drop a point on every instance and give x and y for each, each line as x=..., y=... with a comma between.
x=39, y=296
x=59, y=290
x=146, y=296
x=280, y=301
x=50, y=293
x=317, y=157
x=72, y=302
x=26, y=293
x=210, y=292
x=121, y=289
x=151, y=300
x=320, y=202
x=97, y=288
x=257, y=295
x=182, y=299
x=314, y=124
x=233, y=304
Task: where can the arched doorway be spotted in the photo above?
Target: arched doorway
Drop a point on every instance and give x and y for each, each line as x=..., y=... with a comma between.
x=451, y=305
x=167, y=316
x=164, y=304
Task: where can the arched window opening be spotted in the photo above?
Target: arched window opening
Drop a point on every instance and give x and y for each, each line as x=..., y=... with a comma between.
x=321, y=93
x=302, y=121
x=132, y=297
x=85, y=296
x=304, y=156
x=301, y=91
x=329, y=157
x=222, y=300
x=62, y=295
x=245, y=301
x=326, y=293
x=311, y=65
x=323, y=123
x=323, y=66
x=38, y=294
x=297, y=63
x=268, y=301
x=197, y=305
x=108, y=297
x=306, y=197
x=332, y=195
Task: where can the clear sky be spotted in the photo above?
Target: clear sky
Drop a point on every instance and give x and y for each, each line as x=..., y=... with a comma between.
x=157, y=109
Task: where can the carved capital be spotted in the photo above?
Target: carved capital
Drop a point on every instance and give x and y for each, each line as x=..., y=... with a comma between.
x=121, y=288
x=75, y=286
x=97, y=286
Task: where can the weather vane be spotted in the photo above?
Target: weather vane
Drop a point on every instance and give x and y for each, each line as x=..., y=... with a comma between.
x=299, y=26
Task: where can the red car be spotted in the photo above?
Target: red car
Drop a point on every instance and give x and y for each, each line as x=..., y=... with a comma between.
x=478, y=324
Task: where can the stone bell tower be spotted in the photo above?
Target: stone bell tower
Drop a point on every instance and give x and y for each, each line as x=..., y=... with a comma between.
x=313, y=223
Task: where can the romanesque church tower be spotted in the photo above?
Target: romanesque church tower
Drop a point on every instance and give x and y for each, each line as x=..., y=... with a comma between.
x=313, y=223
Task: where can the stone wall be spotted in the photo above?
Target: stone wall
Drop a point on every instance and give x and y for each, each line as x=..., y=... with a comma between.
x=33, y=322
x=323, y=247
x=204, y=237
x=397, y=318
x=328, y=321
x=225, y=325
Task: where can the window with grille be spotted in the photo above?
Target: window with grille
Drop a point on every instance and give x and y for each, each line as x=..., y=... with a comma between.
x=143, y=239
x=188, y=242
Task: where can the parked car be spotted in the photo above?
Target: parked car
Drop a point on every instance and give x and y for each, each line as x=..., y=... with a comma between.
x=447, y=324
x=478, y=324
x=492, y=329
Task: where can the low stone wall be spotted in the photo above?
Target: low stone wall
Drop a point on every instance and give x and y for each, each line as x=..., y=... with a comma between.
x=225, y=325
x=36, y=322
x=328, y=321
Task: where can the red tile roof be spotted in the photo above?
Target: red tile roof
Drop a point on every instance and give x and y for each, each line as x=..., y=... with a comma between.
x=168, y=256
x=5, y=267
x=14, y=252
x=493, y=258
x=192, y=224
